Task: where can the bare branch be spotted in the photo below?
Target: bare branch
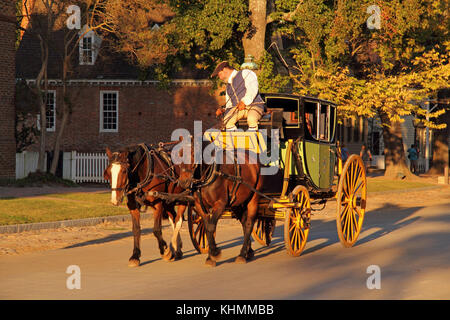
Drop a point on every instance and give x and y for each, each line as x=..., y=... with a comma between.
x=288, y=16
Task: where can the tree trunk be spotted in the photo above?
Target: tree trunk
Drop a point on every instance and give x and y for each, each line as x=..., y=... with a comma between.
x=394, y=152
x=254, y=39
x=65, y=115
x=440, y=151
x=42, y=98
x=57, y=145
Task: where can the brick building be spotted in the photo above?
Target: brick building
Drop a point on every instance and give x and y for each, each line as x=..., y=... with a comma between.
x=111, y=106
x=7, y=87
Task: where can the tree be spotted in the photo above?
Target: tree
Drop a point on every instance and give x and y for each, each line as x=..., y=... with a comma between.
x=372, y=72
x=94, y=19
x=332, y=52
x=42, y=28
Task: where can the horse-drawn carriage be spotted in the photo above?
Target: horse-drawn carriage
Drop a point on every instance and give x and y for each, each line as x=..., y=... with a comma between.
x=304, y=177
x=308, y=163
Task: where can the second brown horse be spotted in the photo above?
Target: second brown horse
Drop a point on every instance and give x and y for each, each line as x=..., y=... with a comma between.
x=225, y=186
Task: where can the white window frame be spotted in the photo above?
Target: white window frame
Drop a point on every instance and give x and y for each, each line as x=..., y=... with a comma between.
x=83, y=51
x=102, y=129
x=53, y=128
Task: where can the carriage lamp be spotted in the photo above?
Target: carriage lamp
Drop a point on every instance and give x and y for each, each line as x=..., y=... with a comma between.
x=249, y=63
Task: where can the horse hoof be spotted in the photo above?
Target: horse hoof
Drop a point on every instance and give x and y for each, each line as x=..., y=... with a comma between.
x=134, y=263
x=217, y=256
x=168, y=255
x=210, y=263
x=250, y=254
x=178, y=256
x=240, y=260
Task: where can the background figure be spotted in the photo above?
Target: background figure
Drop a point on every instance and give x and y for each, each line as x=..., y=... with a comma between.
x=366, y=155
x=413, y=156
x=344, y=153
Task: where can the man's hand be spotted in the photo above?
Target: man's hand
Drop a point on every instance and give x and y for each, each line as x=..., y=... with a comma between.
x=241, y=106
x=219, y=112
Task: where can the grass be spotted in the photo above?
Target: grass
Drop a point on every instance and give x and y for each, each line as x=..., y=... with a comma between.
x=381, y=185
x=55, y=207
x=79, y=205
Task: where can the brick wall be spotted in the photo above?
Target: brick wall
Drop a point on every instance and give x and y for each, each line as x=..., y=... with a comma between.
x=146, y=114
x=7, y=87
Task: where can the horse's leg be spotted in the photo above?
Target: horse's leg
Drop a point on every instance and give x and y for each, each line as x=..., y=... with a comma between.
x=176, y=221
x=135, y=218
x=252, y=211
x=214, y=253
x=178, y=224
x=169, y=252
x=250, y=252
x=157, y=216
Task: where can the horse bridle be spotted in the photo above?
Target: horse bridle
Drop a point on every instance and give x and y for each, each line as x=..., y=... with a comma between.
x=127, y=184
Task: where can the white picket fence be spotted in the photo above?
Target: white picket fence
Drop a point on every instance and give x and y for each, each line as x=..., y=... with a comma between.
x=26, y=162
x=84, y=167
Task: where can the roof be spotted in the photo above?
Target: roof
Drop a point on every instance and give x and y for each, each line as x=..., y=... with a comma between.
x=295, y=96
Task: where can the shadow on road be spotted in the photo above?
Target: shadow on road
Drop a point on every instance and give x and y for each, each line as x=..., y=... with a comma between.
x=382, y=221
x=110, y=238
x=403, y=258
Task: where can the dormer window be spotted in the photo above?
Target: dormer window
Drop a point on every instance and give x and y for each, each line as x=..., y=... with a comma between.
x=86, y=50
x=89, y=46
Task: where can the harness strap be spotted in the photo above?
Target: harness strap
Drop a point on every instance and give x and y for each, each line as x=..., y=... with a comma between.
x=200, y=198
x=237, y=172
x=148, y=174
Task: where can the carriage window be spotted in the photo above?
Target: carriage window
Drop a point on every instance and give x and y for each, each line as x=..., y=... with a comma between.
x=311, y=119
x=109, y=111
x=291, y=118
x=320, y=119
x=332, y=124
x=323, y=122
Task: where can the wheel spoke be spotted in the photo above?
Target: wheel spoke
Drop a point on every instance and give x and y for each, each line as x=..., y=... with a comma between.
x=344, y=211
x=197, y=230
x=352, y=225
x=347, y=185
x=358, y=212
x=348, y=225
x=355, y=223
x=352, y=172
x=356, y=174
x=293, y=238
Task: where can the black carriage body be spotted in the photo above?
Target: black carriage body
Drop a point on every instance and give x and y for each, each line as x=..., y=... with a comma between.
x=311, y=124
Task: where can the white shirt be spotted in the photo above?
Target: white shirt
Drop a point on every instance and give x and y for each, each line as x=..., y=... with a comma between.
x=251, y=83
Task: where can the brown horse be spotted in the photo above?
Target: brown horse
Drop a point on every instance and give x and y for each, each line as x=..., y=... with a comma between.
x=133, y=172
x=225, y=186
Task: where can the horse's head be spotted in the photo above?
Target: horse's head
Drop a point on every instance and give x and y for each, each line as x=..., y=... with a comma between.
x=117, y=174
x=187, y=169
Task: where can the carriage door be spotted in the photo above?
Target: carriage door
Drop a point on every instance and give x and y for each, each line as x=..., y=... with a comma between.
x=318, y=136
x=325, y=134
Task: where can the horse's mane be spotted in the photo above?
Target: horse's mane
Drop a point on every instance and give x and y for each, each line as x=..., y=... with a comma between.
x=135, y=152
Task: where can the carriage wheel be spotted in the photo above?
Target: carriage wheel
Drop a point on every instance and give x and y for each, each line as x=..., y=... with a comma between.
x=263, y=230
x=197, y=231
x=297, y=222
x=351, y=200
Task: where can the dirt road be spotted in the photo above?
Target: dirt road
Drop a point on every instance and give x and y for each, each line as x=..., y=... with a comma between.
x=405, y=235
